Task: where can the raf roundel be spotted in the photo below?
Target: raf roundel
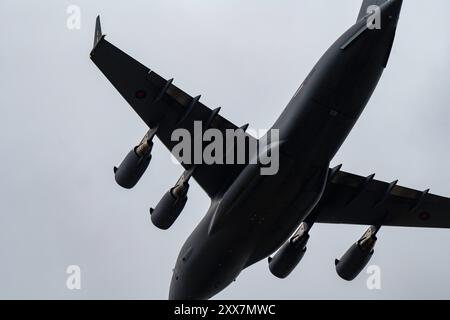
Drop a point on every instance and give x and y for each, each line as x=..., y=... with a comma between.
x=141, y=94
x=424, y=216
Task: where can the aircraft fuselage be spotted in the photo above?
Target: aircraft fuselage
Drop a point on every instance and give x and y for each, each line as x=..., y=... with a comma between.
x=256, y=214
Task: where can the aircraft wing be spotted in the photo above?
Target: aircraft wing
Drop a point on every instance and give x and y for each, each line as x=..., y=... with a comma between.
x=159, y=103
x=352, y=199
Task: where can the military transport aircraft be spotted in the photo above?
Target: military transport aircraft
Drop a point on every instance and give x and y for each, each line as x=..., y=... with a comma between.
x=253, y=215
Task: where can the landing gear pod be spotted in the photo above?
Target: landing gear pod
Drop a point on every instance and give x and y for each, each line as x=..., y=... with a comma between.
x=290, y=254
x=135, y=163
x=172, y=203
x=358, y=256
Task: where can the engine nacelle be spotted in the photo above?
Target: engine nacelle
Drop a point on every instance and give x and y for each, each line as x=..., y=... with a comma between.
x=357, y=257
x=132, y=168
x=290, y=254
x=172, y=204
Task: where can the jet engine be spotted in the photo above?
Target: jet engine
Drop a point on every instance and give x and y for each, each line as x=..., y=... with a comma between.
x=172, y=203
x=135, y=163
x=358, y=256
x=290, y=254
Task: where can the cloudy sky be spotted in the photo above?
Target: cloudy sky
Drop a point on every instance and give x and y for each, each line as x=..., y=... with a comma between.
x=63, y=127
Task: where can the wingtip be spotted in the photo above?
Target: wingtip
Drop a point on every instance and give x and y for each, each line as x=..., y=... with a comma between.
x=98, y=35
x=98, y=25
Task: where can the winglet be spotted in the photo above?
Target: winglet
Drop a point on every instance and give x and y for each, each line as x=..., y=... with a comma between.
x=98, y=36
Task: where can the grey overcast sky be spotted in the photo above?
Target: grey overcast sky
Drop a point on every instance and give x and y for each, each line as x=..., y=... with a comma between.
x=63, y=128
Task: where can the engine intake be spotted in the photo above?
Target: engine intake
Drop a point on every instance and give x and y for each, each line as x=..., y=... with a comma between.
x=130, y=171
x=290, y=254
x=358, y=256
x=172, y=203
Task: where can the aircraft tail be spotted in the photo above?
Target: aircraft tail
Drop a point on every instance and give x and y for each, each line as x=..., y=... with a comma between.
x=366, y=4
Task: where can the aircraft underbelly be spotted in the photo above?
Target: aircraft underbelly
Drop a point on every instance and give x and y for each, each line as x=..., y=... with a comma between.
x=290, y=205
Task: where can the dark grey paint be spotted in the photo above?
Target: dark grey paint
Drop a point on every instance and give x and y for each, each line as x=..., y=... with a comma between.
x=246, y=222
x=312, y=128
